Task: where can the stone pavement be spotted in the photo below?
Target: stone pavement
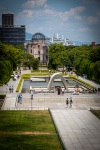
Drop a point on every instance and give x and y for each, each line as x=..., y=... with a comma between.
x=78, y=129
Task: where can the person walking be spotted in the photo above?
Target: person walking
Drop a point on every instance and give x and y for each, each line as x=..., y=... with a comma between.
x=12, y=89
x=67, y=102
x=71, y=102
x=6, y=88
x=32, y=93
x=63, y=90
x=20, y=98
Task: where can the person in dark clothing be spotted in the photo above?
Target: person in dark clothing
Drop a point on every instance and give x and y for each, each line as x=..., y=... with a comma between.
x=67, y=102
x=71, y=101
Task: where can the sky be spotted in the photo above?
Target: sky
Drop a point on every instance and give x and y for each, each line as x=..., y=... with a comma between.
x=77, y=20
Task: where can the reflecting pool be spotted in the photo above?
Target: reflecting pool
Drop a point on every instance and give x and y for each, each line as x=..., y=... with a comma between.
x=40, y=84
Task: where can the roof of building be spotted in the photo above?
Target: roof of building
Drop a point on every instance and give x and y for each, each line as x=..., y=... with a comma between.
x=38, y=36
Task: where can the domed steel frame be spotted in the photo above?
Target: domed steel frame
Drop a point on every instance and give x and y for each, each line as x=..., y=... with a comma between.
x=38, y=36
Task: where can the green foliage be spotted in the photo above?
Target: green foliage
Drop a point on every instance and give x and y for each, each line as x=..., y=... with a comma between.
x=5, y=71
x=95, y=55
x=96, y=71
x=57, y=56
x=9, y=59
x=84, y=66
x=84, y=59
x=30, y=61
x=19, y=84
x=35, y=64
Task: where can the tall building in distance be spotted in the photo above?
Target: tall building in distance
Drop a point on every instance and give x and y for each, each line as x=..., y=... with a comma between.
x=7, y=20
x=10, y=33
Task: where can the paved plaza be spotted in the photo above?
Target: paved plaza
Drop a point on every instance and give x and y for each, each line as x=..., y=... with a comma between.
x=77, y=127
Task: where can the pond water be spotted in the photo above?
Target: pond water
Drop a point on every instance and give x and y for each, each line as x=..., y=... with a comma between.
x=37, y=84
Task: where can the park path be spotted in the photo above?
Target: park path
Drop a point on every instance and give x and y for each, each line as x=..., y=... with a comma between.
x=78, y=129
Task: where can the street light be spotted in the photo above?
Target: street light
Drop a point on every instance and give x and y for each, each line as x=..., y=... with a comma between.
x=31, y=100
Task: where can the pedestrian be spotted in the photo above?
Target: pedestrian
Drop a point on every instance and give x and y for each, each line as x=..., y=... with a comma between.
x=67, y=102
x=6, y=88
x=31, y=96
x=58, y=90
x=71, y=101
x=20, y=98
x=63, y=90
x=10, y=89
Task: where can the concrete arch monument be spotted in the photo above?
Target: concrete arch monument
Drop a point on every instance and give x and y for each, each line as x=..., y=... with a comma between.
x=57, y=76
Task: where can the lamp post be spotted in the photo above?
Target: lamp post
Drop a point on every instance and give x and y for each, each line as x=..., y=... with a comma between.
x=31, y=100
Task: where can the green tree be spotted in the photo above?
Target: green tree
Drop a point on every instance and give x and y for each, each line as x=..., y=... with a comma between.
x=95, y=55
x=30, y=61
x=10, y=57
x=14, y=55
x=96, y=71
x=3, y=72
x=57, y=56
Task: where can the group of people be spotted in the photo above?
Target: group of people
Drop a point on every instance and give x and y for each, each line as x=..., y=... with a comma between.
x=9, y=88
x=19, y=96
x=60, y=90
x=69, y=102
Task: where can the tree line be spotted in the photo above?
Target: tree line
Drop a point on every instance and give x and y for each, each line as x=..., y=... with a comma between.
x=81, y=59
x=12, y=57
x=84, y=60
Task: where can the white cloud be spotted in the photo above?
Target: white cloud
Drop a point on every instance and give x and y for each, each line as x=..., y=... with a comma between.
x=73, y=12
x=93, y=20
x=25, y=13
x=78, y=9
x=50, y=12
x=33, y=3
x=84, y=29
x=79, y=18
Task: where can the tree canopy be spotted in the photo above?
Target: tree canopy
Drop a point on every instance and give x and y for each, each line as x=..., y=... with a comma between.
x=84, y=59
x=11, y=57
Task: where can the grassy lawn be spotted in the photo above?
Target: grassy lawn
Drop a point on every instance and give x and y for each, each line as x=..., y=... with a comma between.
x=28, y=130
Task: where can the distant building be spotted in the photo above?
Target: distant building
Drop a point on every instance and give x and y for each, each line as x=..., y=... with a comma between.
x=10, y=33
x=60, y=39
x=94, y=45
x=7, y=20
x=38, y=47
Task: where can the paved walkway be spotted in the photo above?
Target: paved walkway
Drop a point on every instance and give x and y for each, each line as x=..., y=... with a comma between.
x=78, y=129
